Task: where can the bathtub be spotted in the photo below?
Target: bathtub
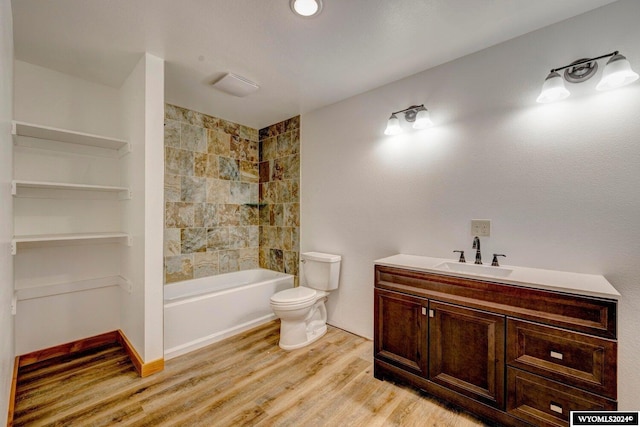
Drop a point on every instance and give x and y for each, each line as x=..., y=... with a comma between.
x=202, y=311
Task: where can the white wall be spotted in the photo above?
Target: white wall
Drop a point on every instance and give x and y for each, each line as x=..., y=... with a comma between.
x=57, y=319
x=6, y=207
x=559, y=182
x=142, y=98
x=51, y=98
x=132, y=258
x=154, y=209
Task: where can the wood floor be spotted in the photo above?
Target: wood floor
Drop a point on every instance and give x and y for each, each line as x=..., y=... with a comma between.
x=244, y=380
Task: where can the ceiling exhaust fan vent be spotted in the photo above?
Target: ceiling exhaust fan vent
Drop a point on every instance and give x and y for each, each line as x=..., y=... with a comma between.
x=236, y=85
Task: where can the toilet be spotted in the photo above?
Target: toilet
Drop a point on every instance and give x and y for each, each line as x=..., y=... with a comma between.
x=301, y=310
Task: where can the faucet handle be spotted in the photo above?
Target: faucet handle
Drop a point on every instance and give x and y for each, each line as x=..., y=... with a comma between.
x=494, y=263
x=461, y=256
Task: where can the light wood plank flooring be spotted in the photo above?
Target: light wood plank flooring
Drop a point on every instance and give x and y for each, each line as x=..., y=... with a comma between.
x=244, y=380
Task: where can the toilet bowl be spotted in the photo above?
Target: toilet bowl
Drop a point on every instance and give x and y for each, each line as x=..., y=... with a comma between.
x=302, y=310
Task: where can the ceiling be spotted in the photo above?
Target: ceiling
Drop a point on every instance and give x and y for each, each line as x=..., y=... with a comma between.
x=301, y=64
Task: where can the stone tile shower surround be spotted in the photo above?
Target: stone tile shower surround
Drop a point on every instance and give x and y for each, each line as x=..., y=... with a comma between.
x=279, y=172
x=213, y=206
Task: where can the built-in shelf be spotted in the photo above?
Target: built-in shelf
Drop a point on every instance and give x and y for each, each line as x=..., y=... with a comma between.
x=48, y=290
x=69, y=136
x=124, y=192
x=43, y=238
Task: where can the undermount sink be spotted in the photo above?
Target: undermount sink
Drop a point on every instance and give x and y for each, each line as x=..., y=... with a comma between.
x=474, y=269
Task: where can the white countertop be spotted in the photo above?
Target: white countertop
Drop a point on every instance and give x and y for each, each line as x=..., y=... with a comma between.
x=562, y=281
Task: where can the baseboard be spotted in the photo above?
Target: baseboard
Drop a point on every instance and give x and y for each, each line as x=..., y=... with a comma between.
x=143, y=369
x=69, y=348
x=12, y=392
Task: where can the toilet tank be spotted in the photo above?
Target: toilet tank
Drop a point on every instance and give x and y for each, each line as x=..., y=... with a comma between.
x=321, y=271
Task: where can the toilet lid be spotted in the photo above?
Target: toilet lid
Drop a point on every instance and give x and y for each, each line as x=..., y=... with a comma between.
x=294, y=295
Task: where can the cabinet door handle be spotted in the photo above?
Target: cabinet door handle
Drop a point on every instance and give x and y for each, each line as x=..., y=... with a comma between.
x=424, y=311
x=556, y=355
x=431, y=313
x=555, y=408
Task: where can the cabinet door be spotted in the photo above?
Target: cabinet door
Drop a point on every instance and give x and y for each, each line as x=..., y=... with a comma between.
x=466, y=350
x=401, y=331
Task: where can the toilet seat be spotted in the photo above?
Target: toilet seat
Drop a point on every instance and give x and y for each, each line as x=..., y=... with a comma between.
x=294, y=296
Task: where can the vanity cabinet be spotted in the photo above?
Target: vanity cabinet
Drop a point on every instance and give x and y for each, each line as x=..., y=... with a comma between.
x=511, y=354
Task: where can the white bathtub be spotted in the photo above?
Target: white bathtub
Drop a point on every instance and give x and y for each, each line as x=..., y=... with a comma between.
x=202, y=311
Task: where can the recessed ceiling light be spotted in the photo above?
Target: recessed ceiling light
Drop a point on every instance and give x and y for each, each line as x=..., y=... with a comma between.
x=306, y=8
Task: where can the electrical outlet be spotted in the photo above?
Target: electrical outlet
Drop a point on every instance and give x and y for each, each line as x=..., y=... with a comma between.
x=481, y=227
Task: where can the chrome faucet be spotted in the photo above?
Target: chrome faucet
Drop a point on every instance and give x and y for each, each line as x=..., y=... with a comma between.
x=476, y=246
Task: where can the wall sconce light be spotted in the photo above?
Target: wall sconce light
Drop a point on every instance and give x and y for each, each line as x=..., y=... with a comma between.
x=617, y=72
x=416, y=114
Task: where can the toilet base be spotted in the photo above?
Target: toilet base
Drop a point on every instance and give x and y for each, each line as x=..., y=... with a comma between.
x=313, y=335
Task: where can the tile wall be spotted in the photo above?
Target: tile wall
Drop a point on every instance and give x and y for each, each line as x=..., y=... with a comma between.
x=211, y=195
x=280, y=196
x=229, y=207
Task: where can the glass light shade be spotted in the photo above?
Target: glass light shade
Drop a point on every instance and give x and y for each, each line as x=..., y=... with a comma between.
x=393, y=126
x=617, y=73
x=423, y=120
x=306, y=7
x=553, y=89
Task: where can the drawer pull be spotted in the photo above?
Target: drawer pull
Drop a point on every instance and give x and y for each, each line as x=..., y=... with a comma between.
x=556, y=408
x=556, y=355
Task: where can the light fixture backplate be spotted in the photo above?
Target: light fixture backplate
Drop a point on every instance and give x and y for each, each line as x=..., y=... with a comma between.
x=582, y=72
x=410, y=115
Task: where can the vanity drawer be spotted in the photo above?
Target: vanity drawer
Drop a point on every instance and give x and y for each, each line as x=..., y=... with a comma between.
x=576, y=359
x=543, y=402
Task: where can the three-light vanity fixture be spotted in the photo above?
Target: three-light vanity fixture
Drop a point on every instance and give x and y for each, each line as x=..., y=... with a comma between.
x=617, y=72
x=416, y=114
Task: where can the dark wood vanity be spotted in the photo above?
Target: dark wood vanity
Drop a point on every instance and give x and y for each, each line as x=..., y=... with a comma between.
x=511, y=354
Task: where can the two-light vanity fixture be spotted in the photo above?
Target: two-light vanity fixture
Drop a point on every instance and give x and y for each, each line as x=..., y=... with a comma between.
x=617, y=72
x=416, y=114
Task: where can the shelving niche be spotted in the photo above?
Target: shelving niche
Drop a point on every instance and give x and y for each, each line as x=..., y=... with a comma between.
x=67, y=193
x=19, y=184
x=47, y=133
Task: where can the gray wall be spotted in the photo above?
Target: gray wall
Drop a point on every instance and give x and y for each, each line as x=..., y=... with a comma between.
x=559, y=181
x=6, y=207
